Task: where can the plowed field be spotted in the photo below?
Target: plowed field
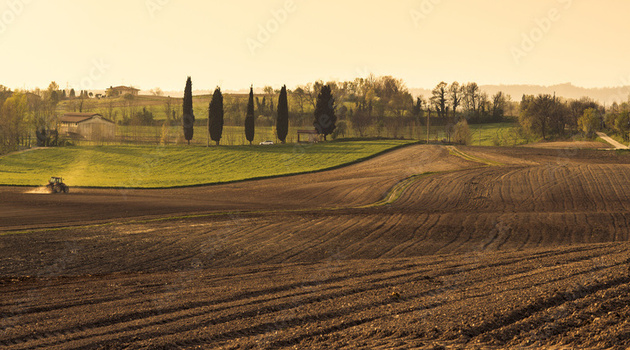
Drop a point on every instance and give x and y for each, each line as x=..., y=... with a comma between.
x=423, y=247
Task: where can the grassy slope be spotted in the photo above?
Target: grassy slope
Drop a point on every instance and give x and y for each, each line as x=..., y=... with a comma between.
x=150, y=166
x=496, y=134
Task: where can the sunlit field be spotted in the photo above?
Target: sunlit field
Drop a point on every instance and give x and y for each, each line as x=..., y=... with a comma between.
x=171, y=166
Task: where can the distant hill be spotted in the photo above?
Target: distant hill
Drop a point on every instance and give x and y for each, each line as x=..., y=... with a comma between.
x=602, y=95
x=180, y=94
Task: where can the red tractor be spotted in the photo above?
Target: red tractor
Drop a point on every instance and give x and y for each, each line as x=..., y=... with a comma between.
x=56, y=185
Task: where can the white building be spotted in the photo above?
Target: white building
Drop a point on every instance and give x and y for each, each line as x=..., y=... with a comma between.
x=87, y=126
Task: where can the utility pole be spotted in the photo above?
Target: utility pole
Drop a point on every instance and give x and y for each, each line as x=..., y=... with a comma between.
x=428, y=124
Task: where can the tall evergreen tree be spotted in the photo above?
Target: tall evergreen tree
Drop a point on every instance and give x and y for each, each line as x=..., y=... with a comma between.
x=215, y=115
x=325, y=117
x=282, y=125
x=249, y=119
x=188, y=118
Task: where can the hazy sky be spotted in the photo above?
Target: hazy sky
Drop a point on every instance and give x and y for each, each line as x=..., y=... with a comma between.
x=151, y=43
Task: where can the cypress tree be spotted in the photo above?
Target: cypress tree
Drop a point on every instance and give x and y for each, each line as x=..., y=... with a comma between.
x=188, y=118
x=282, y=125
x=249, y=119
x=325, y=117
x=215, y=115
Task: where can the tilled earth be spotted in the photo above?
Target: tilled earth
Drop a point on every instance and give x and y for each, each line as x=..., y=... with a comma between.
x=530, y=252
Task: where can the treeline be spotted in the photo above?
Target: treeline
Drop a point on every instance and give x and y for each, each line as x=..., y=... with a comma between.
x=364, y=107
x=373, y=106
x=550, y=117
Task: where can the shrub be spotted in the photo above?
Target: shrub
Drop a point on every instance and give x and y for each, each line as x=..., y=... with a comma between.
x=462, y=133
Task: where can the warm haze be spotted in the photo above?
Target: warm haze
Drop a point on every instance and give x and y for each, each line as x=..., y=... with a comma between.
x=473, y=193
x=157, y=43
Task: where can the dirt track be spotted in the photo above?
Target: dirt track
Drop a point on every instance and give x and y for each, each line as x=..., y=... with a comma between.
x=531, y=252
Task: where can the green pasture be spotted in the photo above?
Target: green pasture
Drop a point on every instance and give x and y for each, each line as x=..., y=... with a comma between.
x=497, y=134
x=172, y=166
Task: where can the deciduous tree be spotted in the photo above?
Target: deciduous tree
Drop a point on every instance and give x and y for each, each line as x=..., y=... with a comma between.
x=589, y=122
x=543, y=115
x=440, y=99
x=361, y=121
x=455, y=95
x=13, y=126
x=622, y=125
x=471, y=97
x=462, y=133
x=499, y=105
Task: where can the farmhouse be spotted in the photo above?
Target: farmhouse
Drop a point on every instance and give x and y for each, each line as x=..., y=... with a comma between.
x=122, y=90
x=87, y=126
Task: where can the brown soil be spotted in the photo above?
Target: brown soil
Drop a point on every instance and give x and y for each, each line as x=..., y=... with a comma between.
x=530, y=253
x=569, y=144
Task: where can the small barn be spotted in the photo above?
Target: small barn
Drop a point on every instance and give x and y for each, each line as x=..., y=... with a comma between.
x=87, y=126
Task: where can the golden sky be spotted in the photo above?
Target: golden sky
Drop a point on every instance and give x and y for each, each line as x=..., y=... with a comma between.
x=232, y=44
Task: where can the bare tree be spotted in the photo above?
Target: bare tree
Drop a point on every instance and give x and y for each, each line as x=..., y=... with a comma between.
x=471, y=97
x=361, y=121
x=312, y=91
x=300, y=97
x=440, y=99
x=455, y=92
x=499, y=105
x=269, y=94
x=168, y=108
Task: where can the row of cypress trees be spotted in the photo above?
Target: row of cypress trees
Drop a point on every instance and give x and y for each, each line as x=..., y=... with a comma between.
x=325, y=117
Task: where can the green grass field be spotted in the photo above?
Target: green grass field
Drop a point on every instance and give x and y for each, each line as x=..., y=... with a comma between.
x=497, y=134
x=172, y=166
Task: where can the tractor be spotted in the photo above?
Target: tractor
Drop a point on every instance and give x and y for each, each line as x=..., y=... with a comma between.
x=56, y=185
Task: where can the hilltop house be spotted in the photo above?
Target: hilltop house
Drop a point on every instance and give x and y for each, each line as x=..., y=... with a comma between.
x=122, y=91
x=87, y=126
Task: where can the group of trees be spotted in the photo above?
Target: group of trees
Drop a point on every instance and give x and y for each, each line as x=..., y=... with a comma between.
x=23, y=114
x=474, y=105
x=549, y=116
x=617, y=120
x=324, y=115
x=13, y=111
x=371, y=106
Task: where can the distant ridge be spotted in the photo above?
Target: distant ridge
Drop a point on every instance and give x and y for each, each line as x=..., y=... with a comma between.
x=605, y=96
